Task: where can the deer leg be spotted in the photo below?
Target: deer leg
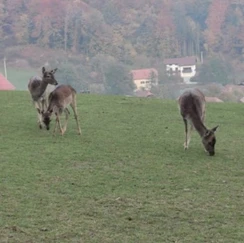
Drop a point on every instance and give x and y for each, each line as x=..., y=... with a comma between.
x=39, y=115
x=43, y=104
x=66, y=119
x=67, y=110
x=57, y=122
x=186, y=134
x=189, y=135
x=73, y=106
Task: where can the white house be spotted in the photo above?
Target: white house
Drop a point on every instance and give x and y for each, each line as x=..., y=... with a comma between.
x=185, y=67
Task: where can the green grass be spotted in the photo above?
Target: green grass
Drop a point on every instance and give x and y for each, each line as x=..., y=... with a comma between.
x=19, y=77
x=126, y=179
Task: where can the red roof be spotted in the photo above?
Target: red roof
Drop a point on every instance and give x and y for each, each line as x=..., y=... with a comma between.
x=5, y=84
x=181, y=61
x=143, y=73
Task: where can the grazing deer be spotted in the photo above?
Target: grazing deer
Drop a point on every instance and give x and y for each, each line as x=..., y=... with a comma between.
x=37, y=87
x=59, y=100
x=192, y=109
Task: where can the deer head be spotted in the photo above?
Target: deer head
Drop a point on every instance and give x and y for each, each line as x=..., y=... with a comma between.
x=209, y=140
x=46, y=117
x=48, y=76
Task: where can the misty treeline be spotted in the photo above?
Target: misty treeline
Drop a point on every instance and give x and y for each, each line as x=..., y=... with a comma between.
x=110, y=35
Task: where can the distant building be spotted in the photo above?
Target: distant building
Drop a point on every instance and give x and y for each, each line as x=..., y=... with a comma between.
x=145, y=78
x=143, y=93
x=5, y=84
x=185, y=67
x=213, y=99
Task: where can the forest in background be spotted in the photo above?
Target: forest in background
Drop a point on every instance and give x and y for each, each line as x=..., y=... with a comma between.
x=95, y=43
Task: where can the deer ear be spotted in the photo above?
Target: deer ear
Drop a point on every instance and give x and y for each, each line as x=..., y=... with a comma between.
x=214, y=129
x=54, y=70
x=207, y=133
x=43, y=70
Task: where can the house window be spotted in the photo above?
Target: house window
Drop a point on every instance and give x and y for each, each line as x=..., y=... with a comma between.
x=142, y=82
x=187, y=70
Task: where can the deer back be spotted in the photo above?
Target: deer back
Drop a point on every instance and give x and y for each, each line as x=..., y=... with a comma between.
x=192, y=104
x=34, y=85
x=61, y=97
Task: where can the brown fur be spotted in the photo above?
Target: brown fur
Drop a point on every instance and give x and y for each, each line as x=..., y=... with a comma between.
x=37, y=87
x=192, y=108
x=59, y=100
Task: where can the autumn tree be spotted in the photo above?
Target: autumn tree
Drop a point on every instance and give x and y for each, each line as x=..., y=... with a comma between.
x=233, y=31
x=118, y=80
x=2, y=17
x=215, y=21
x=215, y=70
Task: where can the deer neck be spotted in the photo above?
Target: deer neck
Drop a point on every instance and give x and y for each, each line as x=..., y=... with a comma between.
x=199, y=126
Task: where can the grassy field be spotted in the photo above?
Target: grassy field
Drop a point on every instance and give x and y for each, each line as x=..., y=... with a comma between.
x=126, y=179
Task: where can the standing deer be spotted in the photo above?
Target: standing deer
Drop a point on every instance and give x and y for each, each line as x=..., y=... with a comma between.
x=59, y=100
x=37, y=87
x=192, y=108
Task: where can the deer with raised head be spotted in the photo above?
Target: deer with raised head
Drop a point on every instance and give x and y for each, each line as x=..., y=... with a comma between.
x=59, y=100
x=38, y=88
x=192, y=108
